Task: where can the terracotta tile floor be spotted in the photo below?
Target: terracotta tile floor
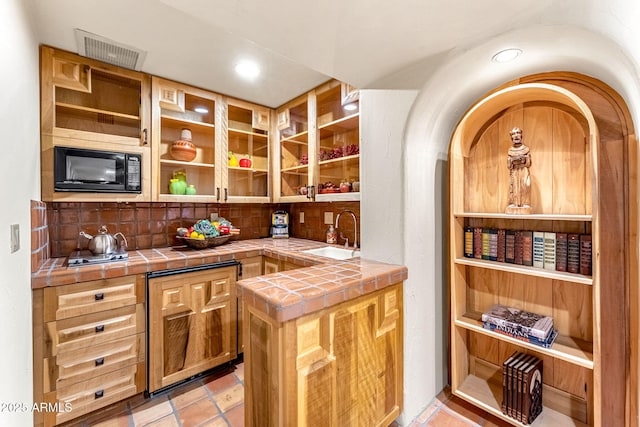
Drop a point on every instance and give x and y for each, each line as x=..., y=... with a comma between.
x=218, y=401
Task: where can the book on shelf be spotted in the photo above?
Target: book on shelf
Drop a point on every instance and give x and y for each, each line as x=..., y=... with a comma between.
x=528, y=323
x=493, y=244
x=585, y=254
x=527, y=248
x=532, y=391
x=573, y=253
x=485, y=243
x=510, y=246
x=538, y=249
x=517, y=389
x=522, y=336
x=518, y=248
x=513, y=360
x=506, y=377
x=561, y=251
x=549, y=250
x=468, y=242
x=477, y=242
x=502, y=233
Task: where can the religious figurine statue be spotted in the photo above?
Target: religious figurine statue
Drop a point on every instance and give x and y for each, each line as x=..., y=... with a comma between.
x=519, y=162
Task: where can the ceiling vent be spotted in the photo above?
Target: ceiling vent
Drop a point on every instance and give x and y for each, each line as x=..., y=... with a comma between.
x=102, y=49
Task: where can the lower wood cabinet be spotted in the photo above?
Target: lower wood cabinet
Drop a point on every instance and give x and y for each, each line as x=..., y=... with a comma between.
x=341, y=366
x=192, y=324
x=89, y=346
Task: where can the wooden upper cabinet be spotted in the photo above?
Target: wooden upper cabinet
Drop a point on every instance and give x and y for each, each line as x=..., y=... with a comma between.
x=183, y=112
x=318, y=145
x=338, y=142
x=93, y=105
x=293, y=153
x=245, y=174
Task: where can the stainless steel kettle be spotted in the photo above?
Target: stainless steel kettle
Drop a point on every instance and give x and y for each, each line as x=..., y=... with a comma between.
x=103, y=242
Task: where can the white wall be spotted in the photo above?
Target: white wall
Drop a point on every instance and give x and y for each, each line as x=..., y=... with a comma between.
x=20, y=183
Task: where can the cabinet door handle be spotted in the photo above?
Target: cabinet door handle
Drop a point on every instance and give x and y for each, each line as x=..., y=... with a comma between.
x=99, y=328
x=98, y=394
x=100, y=361
x=145, y=136
x=226, y=194
x=99, y=296
x=218, y=194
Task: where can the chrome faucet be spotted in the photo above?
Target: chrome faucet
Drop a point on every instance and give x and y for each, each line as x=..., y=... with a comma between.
x=355, y=229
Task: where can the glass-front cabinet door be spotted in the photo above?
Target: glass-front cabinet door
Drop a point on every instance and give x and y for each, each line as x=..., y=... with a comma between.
x=294, y=150
x=338, y=149
x=318, y=149
x=184, y=143
x=245, y=174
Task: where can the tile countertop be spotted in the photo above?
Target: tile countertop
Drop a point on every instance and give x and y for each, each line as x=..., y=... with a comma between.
x=283, y=296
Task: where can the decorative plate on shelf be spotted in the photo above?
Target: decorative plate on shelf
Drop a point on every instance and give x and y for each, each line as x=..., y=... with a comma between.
x=207, y=242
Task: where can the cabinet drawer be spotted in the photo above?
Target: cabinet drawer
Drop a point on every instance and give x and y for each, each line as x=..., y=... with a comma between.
x=66, y=301
x=96, y=360
x=87, y=396
x=93, y=329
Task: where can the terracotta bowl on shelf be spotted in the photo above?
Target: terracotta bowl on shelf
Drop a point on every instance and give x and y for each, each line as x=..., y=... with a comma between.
x=183, y=150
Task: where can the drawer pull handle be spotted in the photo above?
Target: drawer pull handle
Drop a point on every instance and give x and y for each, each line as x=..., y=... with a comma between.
x=98, y=394
x=99, y=297
x=100, y=328
x=100, y=361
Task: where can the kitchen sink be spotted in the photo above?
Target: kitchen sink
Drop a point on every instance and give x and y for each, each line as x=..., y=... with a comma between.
x=333, y=252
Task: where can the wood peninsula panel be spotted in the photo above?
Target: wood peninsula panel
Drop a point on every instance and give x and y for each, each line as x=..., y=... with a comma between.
x=339, y=366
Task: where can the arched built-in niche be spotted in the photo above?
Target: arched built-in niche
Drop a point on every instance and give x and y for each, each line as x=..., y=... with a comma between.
x=565, y=138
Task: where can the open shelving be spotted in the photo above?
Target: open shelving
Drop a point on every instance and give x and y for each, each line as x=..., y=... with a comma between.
x=559, y=130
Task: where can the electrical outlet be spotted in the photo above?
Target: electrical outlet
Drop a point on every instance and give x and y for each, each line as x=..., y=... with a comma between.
x=213, y=216
x=328, y=218
x=15, y=237
x=301, y=217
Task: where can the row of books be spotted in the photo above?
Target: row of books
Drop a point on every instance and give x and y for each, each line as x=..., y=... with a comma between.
x=520, y=324
x=522, y=387
x=549, y=250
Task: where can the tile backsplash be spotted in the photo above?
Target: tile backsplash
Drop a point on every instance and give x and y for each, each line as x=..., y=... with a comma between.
x=149, y=225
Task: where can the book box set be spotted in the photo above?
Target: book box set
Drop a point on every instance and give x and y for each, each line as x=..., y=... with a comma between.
x=567, y=252
x=522, y=387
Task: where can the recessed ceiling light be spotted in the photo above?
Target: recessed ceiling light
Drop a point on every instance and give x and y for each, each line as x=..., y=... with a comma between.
x=506, y=55
x=352, y=106
x=201, y=110
x=247, y=69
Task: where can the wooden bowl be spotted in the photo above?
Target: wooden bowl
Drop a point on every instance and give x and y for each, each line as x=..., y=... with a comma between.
x=208, y=242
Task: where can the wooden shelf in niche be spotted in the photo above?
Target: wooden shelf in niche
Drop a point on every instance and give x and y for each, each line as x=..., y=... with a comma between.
x=532, y=217
x=488, y=396
x=569, y=349
x=526, y=270
x=355, y=157
x=186, y=164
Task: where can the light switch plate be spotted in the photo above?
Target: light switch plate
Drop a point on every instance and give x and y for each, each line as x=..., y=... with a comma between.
x=328, y=218
x=301, y=217
x=15, y=237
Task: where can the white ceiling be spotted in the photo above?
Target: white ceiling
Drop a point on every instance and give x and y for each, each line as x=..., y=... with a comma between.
x=299, y=43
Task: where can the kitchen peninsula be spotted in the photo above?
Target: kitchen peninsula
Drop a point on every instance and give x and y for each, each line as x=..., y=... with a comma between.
x=331, y=304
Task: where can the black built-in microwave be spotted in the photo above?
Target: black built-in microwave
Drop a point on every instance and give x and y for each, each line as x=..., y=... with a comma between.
x=96, y=171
